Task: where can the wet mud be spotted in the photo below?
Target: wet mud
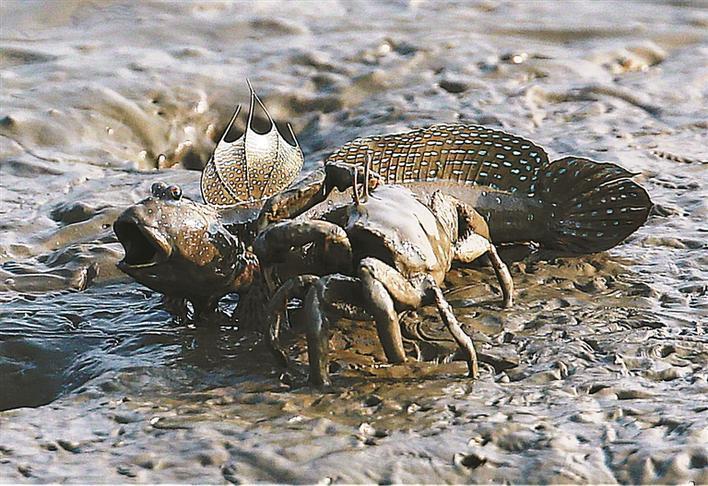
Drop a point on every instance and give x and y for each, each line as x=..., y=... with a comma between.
x=598, y=372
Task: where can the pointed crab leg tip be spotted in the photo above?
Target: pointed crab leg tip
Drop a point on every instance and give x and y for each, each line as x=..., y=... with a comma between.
x=250, y=86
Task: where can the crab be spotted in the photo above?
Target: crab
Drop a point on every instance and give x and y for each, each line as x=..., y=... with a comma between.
x=384, y=252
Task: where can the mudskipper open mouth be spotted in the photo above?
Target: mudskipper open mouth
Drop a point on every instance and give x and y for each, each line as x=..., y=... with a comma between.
x=144, y=246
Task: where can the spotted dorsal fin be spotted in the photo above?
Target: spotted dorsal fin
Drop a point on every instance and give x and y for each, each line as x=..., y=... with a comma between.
x=254, y=166
x=455, y=152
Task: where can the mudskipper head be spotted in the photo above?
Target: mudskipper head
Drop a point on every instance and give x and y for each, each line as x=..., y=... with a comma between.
x=180, y=248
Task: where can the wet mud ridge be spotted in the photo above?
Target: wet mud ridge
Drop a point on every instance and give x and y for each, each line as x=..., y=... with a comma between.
x=596, y=375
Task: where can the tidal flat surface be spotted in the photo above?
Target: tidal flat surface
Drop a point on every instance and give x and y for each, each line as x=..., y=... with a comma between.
x=598, y=373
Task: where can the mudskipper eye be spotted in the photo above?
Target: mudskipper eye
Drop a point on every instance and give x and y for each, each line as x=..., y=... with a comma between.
x=158, y=189
x=175, y=192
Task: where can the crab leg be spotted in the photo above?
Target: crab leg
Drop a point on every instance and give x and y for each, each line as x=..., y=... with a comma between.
x=293, y=201
x=387, y=292
x=476, y=243
x=317, y=329
x=463, y=340
x=295, y=287
x=472, y=247
x=329, y=297
x=275, y=242
x=382, y=292
x=383, y=285
x=503, y=276
x=308, y=192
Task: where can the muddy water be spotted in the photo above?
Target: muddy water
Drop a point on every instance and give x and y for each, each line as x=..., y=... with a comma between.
x=598, y=374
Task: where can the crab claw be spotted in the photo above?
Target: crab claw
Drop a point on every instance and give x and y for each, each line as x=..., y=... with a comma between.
x=343, y=175
x=370, y=182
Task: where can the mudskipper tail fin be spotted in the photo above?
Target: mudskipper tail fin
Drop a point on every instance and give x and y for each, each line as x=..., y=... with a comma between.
x=594, y=205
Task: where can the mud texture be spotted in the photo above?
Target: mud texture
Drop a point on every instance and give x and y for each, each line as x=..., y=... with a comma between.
x=597, y=375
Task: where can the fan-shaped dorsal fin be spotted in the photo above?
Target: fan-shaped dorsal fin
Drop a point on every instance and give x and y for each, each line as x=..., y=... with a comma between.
x=252, y=167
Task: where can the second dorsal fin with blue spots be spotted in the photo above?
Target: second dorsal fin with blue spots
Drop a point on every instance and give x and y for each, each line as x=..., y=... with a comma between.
x=463, y=153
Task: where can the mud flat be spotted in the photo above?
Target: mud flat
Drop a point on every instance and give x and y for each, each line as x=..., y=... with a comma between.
x=598, y=374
